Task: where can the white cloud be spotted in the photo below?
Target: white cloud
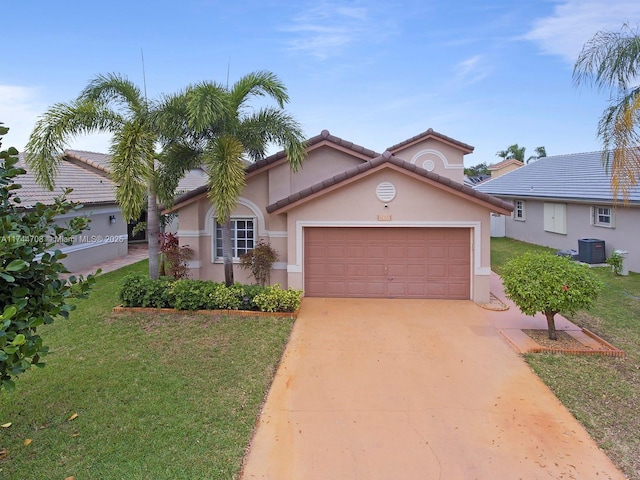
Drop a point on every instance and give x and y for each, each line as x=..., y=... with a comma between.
x=327, y=28
x=472, y=69
x=574, y=22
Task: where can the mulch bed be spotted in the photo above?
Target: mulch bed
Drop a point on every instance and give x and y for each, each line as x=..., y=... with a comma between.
x=564, y=341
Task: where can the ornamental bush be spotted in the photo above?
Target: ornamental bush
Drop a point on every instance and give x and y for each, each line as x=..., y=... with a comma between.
x=137, y=290
x=31, y=290
x=549, y=284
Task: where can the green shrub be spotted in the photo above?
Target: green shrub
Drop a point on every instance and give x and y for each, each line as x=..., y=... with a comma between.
x=549, y=284
x=193, y=294
x=275, y=299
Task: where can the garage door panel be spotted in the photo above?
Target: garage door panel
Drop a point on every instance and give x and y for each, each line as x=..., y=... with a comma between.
x=387, y=262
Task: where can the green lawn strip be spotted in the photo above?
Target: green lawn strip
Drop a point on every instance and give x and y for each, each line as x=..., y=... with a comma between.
x=157, y=396
x=603, y=393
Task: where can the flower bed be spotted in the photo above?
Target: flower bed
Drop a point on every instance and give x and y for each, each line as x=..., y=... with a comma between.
x=140, y=291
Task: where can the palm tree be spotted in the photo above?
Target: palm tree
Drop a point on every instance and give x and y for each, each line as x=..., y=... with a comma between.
x=109, y=103
x=541, y=152
x=611, y=61
x=213, y=125
x=512, y=151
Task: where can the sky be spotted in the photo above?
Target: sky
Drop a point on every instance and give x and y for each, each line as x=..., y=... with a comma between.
x=488, y=73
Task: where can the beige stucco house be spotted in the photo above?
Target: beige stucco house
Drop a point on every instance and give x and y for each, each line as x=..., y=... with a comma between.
x=506, y=166
x=355, y=223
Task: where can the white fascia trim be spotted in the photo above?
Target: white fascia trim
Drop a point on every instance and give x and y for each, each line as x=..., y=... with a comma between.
x=476, y=247
x=257, y=211
x=194, y=264
x=275, y=234
x=438, y=154
x=88, y=211
x=279, y=266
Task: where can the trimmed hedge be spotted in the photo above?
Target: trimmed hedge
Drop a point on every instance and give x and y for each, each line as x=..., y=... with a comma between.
x=138, y=290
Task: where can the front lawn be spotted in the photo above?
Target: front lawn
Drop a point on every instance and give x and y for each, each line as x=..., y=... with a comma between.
x=156, y=396
x=603, y=393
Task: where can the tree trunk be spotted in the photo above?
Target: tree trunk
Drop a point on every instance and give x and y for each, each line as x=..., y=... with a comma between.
x=551, y=325
x=227, y=253
x=153, y=227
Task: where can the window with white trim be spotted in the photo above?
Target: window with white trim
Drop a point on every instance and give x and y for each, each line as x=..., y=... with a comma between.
x=602, y=216
x=518, y=210
x=243, y=236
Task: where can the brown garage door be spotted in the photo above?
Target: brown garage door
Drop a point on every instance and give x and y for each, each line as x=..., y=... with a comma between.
x=387, y=262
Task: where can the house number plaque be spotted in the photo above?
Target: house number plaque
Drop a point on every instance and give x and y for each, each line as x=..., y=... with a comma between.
x=384, y=218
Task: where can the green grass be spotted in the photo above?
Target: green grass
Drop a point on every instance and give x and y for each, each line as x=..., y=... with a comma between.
x=157, y=396
x=603, y=393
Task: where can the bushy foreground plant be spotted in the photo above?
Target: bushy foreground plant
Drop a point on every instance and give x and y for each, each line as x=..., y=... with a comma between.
x=260, y=260
x=139, y=290
x=550, y=284
x=31, y=290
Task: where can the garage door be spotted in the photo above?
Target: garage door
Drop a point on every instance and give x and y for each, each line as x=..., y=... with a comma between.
x=387, y=262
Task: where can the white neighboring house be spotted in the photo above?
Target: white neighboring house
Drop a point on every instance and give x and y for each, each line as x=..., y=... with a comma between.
x=88, y=174
x=563, y=199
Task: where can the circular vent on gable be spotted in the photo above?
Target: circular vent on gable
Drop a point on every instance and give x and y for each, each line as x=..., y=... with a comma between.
x=386, y=191
x=428, y=165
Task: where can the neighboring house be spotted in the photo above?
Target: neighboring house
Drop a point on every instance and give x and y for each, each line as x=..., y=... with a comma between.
x=473, y=180
x=107, y=237
x=561, y=199
x=355, y=223
x=506, y=166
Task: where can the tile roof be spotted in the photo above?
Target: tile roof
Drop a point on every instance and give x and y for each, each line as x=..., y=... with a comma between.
x=431, y=133
x=324, y=136
x=89, y=188
x=387, y=157
x=578, y=176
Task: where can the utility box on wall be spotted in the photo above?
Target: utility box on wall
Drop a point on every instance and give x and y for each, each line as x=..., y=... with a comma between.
x=591, y=250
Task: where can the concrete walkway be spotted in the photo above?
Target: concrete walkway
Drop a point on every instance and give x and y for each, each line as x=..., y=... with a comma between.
x=411, y=389
x=137, y=252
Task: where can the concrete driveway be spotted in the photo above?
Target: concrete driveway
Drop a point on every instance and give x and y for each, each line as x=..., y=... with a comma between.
x=412, y=389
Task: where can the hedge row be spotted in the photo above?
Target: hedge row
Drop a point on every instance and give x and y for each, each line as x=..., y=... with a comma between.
x=138, y=290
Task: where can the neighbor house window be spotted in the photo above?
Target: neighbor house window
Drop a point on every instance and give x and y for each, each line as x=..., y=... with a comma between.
x=603, y=216
x=555, y=217
x=243, y=237
x=518, y=210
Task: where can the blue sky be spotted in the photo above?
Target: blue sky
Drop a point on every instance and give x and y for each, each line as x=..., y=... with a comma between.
x=488, y=73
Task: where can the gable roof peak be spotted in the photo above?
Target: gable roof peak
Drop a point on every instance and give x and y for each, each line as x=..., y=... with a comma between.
x=325, y=133
x=387, y=154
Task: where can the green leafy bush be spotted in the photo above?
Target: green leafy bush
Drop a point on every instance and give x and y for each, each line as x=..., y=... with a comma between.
x=546, y=283
x=31, y=290
x=275, y=299
x=138, y=290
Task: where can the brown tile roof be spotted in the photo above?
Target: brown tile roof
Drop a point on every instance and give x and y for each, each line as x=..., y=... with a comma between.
x=324, y=136
x=89, y=187
x=387, y=157
x=96, y=161
x=430, y=133
x=505, y=163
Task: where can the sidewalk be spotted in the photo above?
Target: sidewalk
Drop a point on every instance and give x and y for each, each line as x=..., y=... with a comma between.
x=136, y=253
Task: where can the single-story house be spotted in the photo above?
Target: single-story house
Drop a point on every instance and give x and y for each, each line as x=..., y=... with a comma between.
x=355, y=223
x=562, y=199
x=88, y=174
x=85, y=172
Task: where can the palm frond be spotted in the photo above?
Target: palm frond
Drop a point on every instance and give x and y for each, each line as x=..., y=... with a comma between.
x=132, y=165
x=610, y=60
x=57, y=126
x=176, y=159
x=117, y=89
x=274, y=126
x=258, y=84
x=620, y=134
x=226, y=174
x=207, y=106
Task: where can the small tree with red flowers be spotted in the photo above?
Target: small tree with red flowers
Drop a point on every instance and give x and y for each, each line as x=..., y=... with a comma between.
x=550, y=284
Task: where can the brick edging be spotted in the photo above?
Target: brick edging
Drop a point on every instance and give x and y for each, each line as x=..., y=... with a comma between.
x=235, y=313
x=609, y=351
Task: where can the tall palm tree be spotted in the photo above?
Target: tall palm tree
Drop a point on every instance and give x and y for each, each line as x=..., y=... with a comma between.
x=611, y=61
x=541, y=152
x=513, y=151
x=214, y=125
x=109, y=103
